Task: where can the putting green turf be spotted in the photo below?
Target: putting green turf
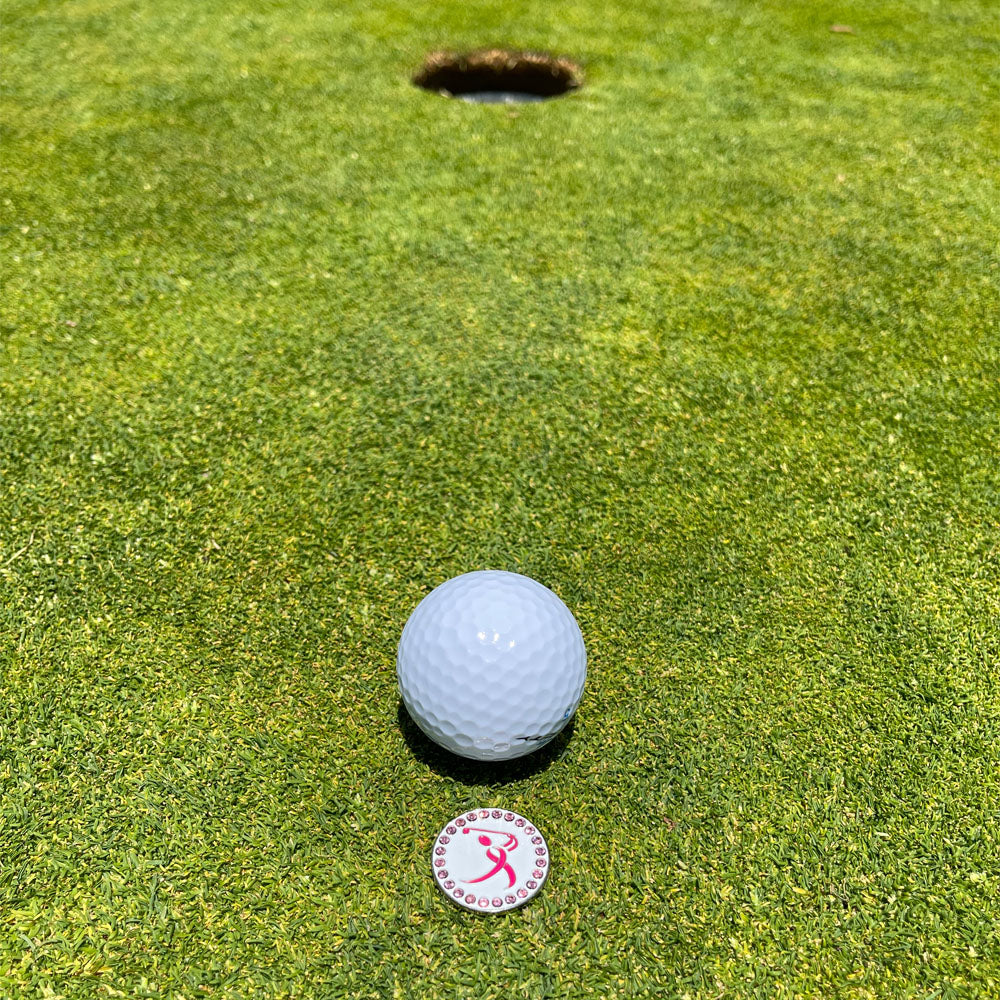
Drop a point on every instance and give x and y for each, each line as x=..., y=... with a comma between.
x=710, y=347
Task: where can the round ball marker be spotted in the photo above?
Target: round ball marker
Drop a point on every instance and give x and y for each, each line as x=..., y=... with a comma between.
x=489, y=860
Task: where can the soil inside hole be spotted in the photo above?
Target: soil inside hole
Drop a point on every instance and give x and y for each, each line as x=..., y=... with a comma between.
x=496, y=76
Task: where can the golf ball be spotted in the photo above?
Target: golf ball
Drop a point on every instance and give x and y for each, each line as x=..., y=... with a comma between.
x=491, y=665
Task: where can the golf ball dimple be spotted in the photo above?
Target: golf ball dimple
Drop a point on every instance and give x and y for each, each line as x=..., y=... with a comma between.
x=491, y=665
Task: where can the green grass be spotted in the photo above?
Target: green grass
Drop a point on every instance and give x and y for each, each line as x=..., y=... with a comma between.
x=711, y=348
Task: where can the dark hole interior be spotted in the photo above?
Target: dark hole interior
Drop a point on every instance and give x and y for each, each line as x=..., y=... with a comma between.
x=496, y=71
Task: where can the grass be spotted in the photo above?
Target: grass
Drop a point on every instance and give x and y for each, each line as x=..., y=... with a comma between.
x=710, y=347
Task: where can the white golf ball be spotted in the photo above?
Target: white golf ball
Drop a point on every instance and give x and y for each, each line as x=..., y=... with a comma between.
x=491, y=665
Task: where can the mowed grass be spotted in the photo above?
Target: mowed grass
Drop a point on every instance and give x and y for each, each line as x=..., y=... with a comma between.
x=710, y=347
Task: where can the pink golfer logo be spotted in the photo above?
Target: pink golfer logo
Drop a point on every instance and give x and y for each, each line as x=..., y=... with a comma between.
x=508, y=860
x=495, y=853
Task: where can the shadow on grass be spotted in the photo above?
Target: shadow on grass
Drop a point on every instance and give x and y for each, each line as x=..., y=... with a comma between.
x=474, y=772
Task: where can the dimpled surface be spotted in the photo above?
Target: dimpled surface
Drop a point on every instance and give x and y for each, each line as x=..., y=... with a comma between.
x=491, y=665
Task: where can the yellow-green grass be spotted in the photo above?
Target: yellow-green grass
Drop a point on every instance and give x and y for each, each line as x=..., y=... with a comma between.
x=710, y=347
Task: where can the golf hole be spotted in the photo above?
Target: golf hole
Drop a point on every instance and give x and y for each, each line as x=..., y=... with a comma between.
x=498, y=76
